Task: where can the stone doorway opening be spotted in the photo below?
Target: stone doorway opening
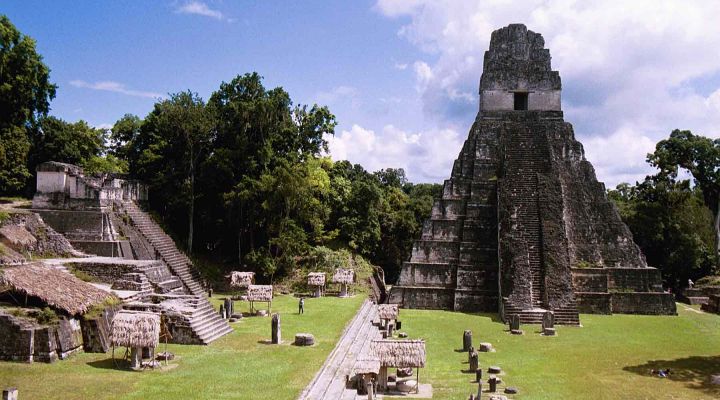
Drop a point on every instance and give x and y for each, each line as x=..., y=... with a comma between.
x=521, y=101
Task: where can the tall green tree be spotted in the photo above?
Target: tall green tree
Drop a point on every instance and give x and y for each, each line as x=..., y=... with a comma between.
x=172, y=141
x=56, y=140
x=260, y=132
x=123, y=137
x=25, y=95
x=698, y=155
x=671, y=225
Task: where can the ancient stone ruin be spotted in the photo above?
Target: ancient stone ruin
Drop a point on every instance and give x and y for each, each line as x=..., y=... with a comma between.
x=523, y=226
x=134, y=262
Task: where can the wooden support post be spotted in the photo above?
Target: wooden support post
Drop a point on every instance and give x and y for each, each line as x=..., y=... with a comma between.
x=135, y=357
x=382, y=379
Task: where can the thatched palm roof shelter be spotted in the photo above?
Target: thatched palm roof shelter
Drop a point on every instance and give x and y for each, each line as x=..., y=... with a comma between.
x=316, y=279
x=135, y=329
x=241, y=279
x=260, y=293
x=399, y=353
x=57, y=289
x=388, y=311
x=367, y=366
x=344, y=276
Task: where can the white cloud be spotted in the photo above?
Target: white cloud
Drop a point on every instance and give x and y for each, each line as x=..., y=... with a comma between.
x=104, y=126
x=629, y=69
x=200, y=8
x=110, y=86
x=340, y=94
x=426, y=156
x=401, y=66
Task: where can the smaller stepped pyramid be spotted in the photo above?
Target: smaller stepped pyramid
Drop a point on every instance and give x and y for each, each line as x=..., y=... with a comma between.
x=523, y=226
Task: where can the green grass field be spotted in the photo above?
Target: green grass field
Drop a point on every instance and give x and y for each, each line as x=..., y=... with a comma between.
x=608, y=358
x=237, y=366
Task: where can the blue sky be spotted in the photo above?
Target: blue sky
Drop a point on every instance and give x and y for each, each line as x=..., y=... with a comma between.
x=401, y=76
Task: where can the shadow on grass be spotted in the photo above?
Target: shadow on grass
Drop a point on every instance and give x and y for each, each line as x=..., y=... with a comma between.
x=494, y=317
x=696, y=372
x=108, y=363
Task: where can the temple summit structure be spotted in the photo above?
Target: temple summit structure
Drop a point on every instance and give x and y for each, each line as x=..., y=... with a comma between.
x=523, y=225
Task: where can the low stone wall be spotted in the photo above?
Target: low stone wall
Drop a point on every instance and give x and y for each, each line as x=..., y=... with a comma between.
x=647, y=303
x=45, y=344
x=96, y=332
x=428, y=275
x=594, y=303
x=75, y=225
x=101, y=248
x=637, y=279
x=609, y=279
x=428, y=298
x=644, y=303
x=69, y=337
x=105, y=273
x=713, y=304
x=590, y=280
x=476, y=301
x=25, y=341
x=16, y=339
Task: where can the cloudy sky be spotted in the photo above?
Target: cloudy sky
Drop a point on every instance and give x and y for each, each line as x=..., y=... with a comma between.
x=401, y=76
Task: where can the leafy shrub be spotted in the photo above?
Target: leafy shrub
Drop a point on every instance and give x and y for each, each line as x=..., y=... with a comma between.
x=46, y=316
x=710, y=280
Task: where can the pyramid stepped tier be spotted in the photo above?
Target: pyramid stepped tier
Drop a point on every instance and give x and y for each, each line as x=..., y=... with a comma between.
x=192, y=319
x=206, y=324
x=454, y=264
x=522, y=214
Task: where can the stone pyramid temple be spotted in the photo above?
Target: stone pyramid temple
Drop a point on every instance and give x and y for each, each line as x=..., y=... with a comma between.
x=523, y=225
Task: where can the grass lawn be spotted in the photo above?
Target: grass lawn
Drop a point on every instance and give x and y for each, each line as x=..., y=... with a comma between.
x=237, y=366
x=608, y=358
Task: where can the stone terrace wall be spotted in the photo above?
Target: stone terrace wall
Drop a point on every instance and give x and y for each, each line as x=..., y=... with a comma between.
x=16, y=338
x=26, y=341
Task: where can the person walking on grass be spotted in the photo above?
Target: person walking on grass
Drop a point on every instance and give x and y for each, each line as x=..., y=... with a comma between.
x=301, y=306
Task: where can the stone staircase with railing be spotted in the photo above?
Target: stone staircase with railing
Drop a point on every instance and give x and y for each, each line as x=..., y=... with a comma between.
x=200, y=323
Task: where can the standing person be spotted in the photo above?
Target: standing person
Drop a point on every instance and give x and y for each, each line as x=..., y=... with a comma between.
x=301, y=306
x=690, y=284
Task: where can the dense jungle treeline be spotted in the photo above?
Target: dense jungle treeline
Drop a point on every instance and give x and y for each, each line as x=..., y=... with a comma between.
x=242, y=178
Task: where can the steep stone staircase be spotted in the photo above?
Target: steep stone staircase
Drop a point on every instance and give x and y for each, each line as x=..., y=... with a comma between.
x=200, y=317
x=526, y=161
x=194, y=320
x=527, y=158
x=165, y=247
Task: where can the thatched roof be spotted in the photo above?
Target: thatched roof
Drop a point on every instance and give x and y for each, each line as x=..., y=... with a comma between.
x=17, y=237
x=367, y=366
x=346, y=276
x=260, y=293
x=399, y=353
x=388, y=311
x=135, y=329
x=57, y=289
x=240, y=279
x=316, y=279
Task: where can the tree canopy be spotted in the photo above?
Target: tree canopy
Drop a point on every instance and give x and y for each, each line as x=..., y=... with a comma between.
x=25, y=95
